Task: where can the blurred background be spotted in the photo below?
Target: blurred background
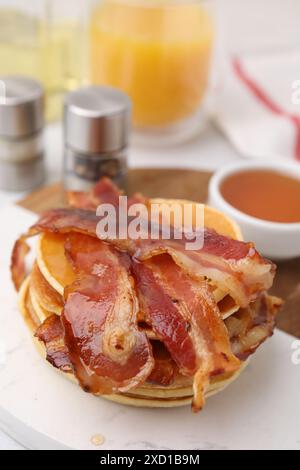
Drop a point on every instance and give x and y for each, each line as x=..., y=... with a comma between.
x=176, y=65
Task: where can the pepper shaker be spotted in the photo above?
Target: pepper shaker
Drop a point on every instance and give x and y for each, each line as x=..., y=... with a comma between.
x=21, y=133
x=96, y=132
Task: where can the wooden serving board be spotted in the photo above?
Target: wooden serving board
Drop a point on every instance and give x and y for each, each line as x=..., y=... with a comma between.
x=192, y=185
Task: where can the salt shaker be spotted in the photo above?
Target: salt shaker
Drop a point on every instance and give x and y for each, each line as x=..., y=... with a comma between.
x=21, y=133
x=96, y=133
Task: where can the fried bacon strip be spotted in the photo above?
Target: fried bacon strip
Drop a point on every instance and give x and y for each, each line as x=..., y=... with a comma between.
x=251, y=326
x=248, y=329
x=51, y=333
x=79, y=219
x=235, y=266
x=97, y=335
x=108, y=352
x=165, y=369
x=185, y=317
x=103, y=192
x=53, y=221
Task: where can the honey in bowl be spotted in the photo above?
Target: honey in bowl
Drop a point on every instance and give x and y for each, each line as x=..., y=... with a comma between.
x=264, y=194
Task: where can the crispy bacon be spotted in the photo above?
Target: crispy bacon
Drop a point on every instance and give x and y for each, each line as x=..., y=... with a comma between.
x=54, y=221
x=251, y=326
x=90, y=201
x=165, y=368
x=97, y=335
x=107, y=350
x=185, y=317
x=51, y=333
x=234, y=266
x=66, y=220
x=103, y=192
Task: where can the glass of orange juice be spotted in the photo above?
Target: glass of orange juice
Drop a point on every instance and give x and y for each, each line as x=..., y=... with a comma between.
x=157, y=51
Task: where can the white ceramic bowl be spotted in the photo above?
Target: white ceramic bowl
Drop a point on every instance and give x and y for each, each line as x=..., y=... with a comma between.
x=274, y=240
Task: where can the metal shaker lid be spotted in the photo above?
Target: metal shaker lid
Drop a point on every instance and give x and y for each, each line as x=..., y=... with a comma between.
x=21, y=106
x=97, y=119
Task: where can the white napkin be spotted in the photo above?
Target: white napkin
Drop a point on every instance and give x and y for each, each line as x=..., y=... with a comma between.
x=258, y=105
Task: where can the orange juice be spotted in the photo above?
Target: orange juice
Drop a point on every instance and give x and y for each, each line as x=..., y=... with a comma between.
x=157, y=51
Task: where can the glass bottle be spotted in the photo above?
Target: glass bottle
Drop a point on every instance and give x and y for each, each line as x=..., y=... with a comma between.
x=159, y=52
x=44, y=40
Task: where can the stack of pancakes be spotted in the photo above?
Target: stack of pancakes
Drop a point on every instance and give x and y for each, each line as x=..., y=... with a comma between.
x=42, y=292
